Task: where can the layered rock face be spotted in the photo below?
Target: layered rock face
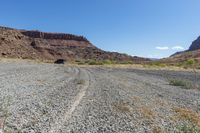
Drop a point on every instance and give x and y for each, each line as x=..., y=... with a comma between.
x=195, y=45
x=192, y=53
x=57, y=36
x=52, y=46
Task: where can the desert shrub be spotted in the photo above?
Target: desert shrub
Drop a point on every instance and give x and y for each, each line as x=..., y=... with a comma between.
x=190, y=63
x=126, y=62
x=108, y=62
x=81, y=63
x=188, y=115
x=177, y=82
x=99, y=63
x=193, y=64
x=181, y=83
x=93, y=62
x=188, y=129
x=157, y=129
x=80, y=81
x=87, y=61
x=121, y=107
x=162, y=65
x=78, y=61
x=179, y=64
x=147, y=112
x=157, y=63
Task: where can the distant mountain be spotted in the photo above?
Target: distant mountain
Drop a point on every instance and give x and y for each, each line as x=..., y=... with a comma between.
x=178, y=53
x=25, y=44
x=192, y=53
x=195, y=45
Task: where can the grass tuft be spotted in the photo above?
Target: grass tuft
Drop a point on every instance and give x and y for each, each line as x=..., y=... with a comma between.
x=147, y=112
x=188, y=115
x=121, y=107
x=158, y=129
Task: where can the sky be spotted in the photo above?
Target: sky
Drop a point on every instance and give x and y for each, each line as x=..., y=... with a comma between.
x=147, y=28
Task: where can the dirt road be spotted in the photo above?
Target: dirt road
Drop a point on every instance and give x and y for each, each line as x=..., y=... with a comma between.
x=59, y=99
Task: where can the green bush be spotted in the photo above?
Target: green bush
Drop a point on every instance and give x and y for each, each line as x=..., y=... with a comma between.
x=81, y=63
x=191, y=63
x=108, y=62
x=95, y=63
x=77, y=61
x=126, y=62
x=157, y=63
x=181, y=83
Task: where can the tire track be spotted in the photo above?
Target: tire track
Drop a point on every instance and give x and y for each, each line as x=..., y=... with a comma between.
x=67, y=115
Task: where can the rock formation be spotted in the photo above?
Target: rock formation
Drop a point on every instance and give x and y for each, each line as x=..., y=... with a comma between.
x=52, y=46
x=195, y=45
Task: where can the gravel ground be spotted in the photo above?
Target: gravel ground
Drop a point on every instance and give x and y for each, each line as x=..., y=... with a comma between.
x=48, y=98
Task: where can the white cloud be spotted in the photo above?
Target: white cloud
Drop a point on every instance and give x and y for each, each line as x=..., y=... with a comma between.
x=162, y=48
x=154, y=56
x=177, y=48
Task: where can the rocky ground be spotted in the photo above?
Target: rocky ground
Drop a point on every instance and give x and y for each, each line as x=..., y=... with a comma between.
x=60, y=99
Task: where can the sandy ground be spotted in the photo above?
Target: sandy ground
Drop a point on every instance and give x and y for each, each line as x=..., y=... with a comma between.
x=49, y=98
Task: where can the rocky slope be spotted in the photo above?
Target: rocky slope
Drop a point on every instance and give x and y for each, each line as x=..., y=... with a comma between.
x=51, y=46
x=192, y=53
x=195, y=45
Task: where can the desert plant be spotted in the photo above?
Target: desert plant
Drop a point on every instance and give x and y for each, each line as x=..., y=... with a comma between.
x=126, y=62
x=147, y=112
x=93, y=62
x=77, y=61
x=121, y=107
x=192, y=64
x=187, y=129
x=157, y=64
x=192, y=119
x=81, y=63
x=158, y=129
x=188, y=115
x=181, y=83
x=80, y=81
x=107, y=62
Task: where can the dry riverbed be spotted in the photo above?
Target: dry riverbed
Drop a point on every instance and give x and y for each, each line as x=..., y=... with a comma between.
x=48, y=98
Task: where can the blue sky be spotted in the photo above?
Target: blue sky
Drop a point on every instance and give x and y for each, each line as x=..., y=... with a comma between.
x=150, y=28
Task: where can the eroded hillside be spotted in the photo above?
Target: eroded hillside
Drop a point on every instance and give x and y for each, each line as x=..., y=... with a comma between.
x=51, y=46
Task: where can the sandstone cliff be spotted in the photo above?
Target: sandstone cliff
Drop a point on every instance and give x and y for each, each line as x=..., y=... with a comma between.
x=51, y=46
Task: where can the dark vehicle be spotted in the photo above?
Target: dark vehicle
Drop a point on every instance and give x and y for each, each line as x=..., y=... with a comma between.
x=60, y=61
